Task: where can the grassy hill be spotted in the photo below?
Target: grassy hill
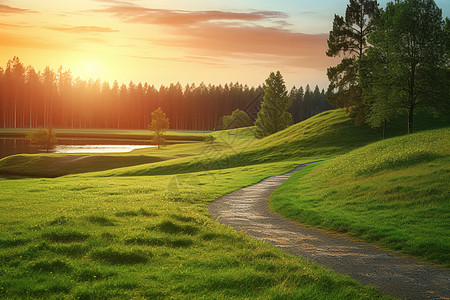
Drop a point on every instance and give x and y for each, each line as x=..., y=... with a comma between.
x=394, y=193
x=147, y=237
x=143, y=231
x=325, y=135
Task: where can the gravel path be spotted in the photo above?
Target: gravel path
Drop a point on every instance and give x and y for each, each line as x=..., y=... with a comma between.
x=247, y=209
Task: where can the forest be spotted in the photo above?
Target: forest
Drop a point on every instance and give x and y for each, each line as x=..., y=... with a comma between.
x=48, y=98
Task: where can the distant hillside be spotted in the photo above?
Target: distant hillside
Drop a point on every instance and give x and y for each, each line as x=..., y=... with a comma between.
x=323, y=136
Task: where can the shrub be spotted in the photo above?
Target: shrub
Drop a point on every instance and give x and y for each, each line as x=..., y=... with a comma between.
x=44, y=138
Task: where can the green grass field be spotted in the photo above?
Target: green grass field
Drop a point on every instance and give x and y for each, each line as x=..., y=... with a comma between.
x=394, y=193
x=146, y=237
x=143, y=231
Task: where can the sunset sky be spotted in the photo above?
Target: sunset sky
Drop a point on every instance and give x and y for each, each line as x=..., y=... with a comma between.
x=161, y=42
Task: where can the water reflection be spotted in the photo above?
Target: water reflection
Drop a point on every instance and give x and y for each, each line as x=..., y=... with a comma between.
x=11, y=146
x=98, y=148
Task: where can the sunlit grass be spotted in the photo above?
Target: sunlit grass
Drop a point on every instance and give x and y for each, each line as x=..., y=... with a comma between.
x=323, y=136
x=394, y=193
x=143, y=231
x=59, y=164
x=146, y=237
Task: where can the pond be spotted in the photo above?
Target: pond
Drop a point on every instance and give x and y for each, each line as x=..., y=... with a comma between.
x=10, y=146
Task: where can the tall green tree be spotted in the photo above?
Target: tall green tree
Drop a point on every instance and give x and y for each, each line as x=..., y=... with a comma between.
x=160, y=123
x=405, y=67
x=348, y=38
x=376, y=81
x=273, y=115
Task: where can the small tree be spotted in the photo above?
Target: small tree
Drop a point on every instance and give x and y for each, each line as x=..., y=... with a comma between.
x=274, y=115
x=237, y=119
x=44, y=138
x=160, y=123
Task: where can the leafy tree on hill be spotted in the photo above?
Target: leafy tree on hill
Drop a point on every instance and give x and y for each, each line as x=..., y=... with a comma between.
x=376, y=82
x=237, y=119
x=349, y=38
x=160, y=123
x=406, y=65
x=274, y=115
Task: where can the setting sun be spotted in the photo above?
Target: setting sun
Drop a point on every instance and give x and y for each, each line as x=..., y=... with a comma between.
x=92, y=71
x=91, y=68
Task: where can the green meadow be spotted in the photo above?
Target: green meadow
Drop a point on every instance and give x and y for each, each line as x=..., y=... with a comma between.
x=394, y=193
x=135, y=225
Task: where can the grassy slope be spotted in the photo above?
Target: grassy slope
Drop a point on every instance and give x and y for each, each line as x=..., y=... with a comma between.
x=82, y=236
x=146, y=237
x=55, y=164
x=88, y=235
x=325, y=135
x=394, y=193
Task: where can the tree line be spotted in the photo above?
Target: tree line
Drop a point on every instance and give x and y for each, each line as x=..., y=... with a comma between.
x=48, y=98
x=31, y=99
x=396, y=60
x=307, y=102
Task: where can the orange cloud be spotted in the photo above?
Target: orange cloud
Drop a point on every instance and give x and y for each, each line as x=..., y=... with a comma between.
x=13, y=25
x=84, y=29
x=19, y=41
x=253, y=42
x=6, y=9
x=228, y=34
x=248, y=39
x=138, y=14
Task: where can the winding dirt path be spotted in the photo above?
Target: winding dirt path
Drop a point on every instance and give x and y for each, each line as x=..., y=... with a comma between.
x=247, y=209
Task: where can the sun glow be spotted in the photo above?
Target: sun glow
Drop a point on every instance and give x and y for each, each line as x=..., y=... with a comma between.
x=88, y=70
x=91, y=68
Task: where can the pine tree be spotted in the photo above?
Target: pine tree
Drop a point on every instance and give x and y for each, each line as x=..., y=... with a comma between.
x=274, y=115
x=160, y=123
x=349, y=38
